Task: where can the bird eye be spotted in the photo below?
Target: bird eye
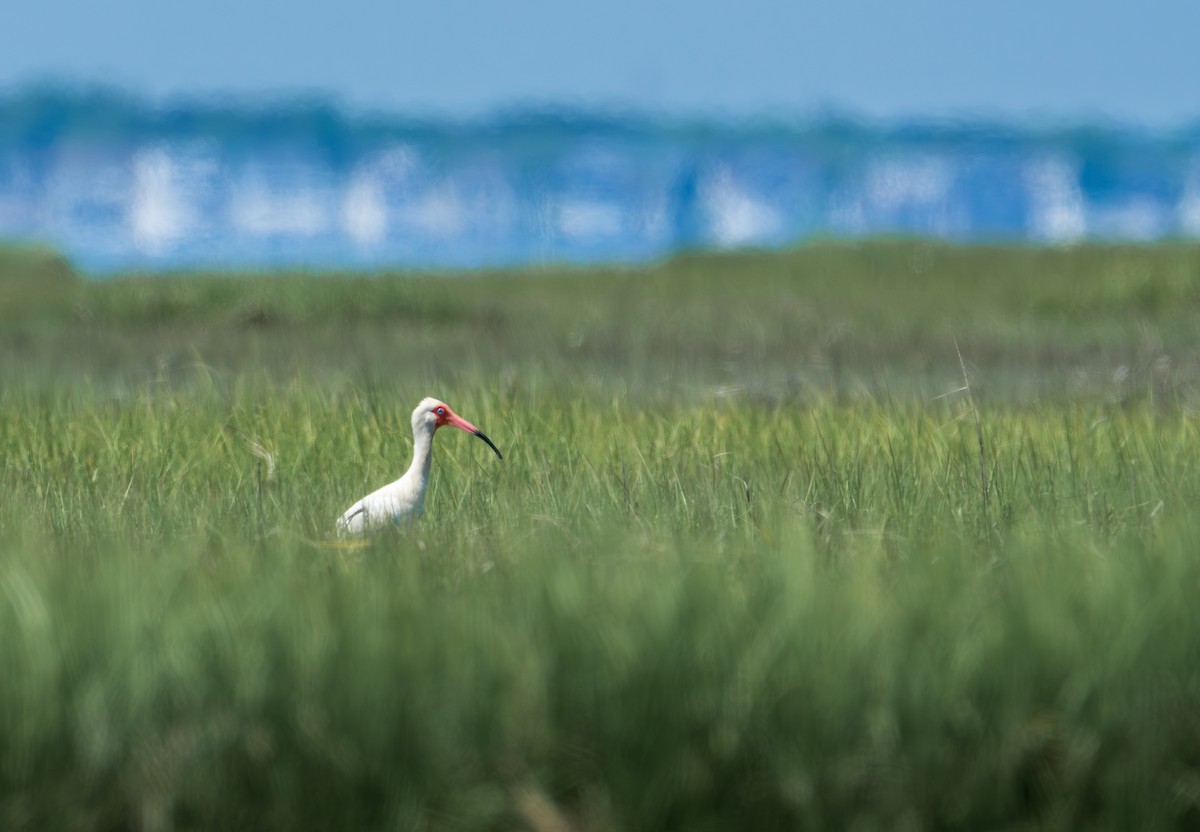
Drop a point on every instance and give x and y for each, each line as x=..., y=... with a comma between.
x=441, y=411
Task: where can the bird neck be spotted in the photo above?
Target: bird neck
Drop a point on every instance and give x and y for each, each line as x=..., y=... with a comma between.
x=422, y=454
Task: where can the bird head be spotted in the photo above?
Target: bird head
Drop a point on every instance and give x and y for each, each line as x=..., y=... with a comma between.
x=432, y=414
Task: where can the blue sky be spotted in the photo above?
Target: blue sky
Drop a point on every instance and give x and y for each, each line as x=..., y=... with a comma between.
x=1053, y=59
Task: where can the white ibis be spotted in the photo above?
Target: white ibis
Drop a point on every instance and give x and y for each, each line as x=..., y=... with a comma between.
x=404, y=499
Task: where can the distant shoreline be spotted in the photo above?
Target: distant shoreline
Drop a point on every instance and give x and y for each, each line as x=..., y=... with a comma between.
x=119, y=184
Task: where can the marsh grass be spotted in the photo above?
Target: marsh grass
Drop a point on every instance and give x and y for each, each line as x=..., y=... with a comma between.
x=737, y=569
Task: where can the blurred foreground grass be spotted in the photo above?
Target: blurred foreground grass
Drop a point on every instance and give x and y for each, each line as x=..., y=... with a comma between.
x=738, y=569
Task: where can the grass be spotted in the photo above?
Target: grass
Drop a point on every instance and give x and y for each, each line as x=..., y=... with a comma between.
x=737, y=569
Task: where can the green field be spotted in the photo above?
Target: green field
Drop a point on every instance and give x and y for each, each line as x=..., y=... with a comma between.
x=755, y=557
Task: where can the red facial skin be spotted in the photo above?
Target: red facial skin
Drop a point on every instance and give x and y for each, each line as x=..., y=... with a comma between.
x=446, y=416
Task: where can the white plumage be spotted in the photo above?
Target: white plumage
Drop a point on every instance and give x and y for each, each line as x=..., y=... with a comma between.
x=404, y=499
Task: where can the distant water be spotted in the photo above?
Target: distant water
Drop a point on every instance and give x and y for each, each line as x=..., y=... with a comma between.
x=119, y=183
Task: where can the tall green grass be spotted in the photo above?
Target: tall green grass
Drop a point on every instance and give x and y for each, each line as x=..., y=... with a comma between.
x=731, y=573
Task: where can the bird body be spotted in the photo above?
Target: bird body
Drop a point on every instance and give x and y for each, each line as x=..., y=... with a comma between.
x=404, y=500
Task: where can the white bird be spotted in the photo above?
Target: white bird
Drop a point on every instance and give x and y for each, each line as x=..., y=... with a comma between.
x=404, y=499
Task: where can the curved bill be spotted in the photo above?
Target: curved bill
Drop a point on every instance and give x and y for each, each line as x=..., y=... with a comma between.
x=483, y=436
x=454, y=420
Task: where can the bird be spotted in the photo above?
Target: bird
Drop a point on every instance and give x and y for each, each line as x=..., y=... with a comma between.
x=404, y=499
